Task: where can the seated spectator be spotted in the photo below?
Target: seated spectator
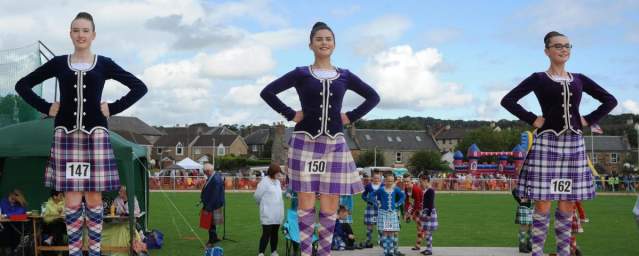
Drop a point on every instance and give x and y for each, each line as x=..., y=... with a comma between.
x=343, y=238
x=13, y=204
x=121, y=203
x=54, y=229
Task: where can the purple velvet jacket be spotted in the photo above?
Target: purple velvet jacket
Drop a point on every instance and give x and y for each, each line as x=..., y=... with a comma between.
x=559, y=101
x=321, y=100
x=80, y=92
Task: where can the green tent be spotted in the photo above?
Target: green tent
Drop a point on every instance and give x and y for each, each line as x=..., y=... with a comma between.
x=24, y=153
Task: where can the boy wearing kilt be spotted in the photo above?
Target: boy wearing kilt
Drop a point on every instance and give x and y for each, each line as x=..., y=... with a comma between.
x=389, y=198
x=429, y=213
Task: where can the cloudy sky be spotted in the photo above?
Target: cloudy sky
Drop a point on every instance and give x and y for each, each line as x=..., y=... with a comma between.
x=206, y=61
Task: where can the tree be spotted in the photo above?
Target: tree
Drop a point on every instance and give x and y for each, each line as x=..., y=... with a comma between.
x=367, y=158
x=424, y=160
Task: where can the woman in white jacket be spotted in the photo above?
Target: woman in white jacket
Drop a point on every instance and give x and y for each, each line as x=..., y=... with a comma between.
x=269, y=196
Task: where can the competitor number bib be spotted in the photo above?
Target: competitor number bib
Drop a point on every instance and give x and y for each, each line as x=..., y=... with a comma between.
x=561, y=186
x=78, y=171
x=315, y=167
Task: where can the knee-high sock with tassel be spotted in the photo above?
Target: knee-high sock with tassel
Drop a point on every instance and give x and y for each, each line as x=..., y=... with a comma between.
x=74, y=222
x=429, y=241
x=94, y=217
x=563, y=227
x=395, y=237
x=325, y=232
x=539, y=232
x=306, y=222
x=369, y=233
x=387, y=244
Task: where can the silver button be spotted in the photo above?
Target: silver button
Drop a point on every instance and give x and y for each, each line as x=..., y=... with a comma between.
x=75, y=113
x=84, y=100
x=328, y=130
x=329, y=119
x=75, y=126
x=563, y=105
x=84, y=86
x=75, y=86
x=562, y=94
x=75, y=99
x=320, y=119
x=564, y=116
x=84, y=113
x=569, y=105
x=570, y=94
x=84, y=74
x=76, y=72
x=319, y=130
x=321, y=93
x=330, y=94
x=329, y=106
x=83, y=127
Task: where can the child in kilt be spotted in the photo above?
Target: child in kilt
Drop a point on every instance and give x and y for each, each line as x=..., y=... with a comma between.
x=370, y=213
x=389, y=198
x=523, y=217
x=429, y=213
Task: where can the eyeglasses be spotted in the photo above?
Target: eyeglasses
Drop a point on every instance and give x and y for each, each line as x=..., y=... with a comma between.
x=560, y=46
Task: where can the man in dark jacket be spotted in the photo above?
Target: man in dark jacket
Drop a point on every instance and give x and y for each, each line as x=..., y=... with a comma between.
x=212, y=198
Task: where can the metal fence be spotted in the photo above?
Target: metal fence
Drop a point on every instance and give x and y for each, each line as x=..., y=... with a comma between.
x=441, y=184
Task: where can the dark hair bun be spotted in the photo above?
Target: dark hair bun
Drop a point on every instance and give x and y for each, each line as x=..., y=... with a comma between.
x=86, y=16
x=550, y=35
x=319, y=25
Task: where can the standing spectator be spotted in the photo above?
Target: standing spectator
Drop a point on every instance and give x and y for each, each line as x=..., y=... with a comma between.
x=212, y=198
x=269, y=196
x=611, y=183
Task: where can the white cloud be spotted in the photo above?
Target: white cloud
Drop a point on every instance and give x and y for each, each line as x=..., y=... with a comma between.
x=406, y=79
x=569, y=15
x=237, y=62
x=248, y=94
x=489, y=107
x=374, y=36
x=630, y=106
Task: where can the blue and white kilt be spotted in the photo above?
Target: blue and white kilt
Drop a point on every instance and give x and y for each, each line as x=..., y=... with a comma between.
x=341, y=176
x=370, y=214
x=556, y=157
x=388, y=220
x=429, y=223
x=524, y=215
x=95, y=149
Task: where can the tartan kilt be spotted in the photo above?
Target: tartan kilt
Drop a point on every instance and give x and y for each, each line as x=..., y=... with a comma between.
x=341, y=176
x=576, y=226
x=94, y=148
x=217, y=217
x=523, y=215
x=556, y=157
x=370, y=214
x=430, y=223
x=390, y=217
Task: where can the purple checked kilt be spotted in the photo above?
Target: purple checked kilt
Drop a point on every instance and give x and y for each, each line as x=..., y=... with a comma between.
x=554, y=157
x=341, y=177
x=429, y=223
x=94, y=148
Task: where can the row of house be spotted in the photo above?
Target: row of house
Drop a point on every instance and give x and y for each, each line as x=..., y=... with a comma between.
x=201, y=142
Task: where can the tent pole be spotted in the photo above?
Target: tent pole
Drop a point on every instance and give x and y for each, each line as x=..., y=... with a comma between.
x=131, y=199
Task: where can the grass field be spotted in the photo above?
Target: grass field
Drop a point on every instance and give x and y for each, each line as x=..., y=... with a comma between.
x=475, y=220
